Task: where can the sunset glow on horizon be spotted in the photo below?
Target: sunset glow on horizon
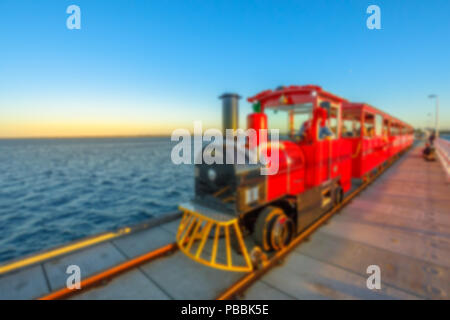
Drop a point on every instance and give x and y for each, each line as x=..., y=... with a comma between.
x=88, y=126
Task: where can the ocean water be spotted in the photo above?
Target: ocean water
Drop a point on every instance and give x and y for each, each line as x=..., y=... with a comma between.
x=57, y=190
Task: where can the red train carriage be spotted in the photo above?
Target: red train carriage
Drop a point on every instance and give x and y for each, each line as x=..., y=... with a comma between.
x=325, y=170
x=375, y=136
x=324, y=142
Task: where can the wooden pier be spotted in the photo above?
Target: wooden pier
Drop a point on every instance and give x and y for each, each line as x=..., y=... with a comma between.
x=400, y=223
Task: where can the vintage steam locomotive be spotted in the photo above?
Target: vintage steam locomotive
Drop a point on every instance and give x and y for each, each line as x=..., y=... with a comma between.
x=236, y=207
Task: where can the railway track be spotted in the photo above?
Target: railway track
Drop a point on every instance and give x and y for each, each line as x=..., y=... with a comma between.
x=237, y=289
x=112, y=272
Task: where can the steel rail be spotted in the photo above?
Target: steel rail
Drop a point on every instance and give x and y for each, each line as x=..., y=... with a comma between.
x=24, y=262
x=112, y=272
x=236, y=290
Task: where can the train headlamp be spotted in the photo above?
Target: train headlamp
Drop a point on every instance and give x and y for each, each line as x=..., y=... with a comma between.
x=212, y=175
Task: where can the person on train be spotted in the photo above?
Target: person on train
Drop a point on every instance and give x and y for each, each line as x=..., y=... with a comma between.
x=349, y=130
x=368, y=132
x=385, y=135
x=324, y=131
x=306, y=125
x=345, y=131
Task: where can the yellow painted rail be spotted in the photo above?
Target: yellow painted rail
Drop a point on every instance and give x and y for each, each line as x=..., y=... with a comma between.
x=110, y=273
x=60, y=251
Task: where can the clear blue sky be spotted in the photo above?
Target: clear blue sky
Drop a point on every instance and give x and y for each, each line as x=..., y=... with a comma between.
x=139, y=67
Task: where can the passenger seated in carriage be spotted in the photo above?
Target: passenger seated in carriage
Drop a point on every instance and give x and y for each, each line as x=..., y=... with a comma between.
x=324, y=131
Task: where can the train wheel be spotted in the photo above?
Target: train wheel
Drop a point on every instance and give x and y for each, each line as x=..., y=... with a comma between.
x=339, y=195
x=274, y=230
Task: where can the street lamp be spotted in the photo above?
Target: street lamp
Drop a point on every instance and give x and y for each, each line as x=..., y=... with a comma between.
x=429, y=120
x=432, y=96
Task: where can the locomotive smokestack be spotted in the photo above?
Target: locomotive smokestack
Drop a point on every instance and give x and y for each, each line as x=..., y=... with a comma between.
x=230, y=110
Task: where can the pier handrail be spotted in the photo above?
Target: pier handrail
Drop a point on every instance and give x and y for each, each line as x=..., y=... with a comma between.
x=443, y=153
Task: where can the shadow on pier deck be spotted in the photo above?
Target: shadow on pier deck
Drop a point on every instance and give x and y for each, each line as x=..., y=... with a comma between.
x=400, y=223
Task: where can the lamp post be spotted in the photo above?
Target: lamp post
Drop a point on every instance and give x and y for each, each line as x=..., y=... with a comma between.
x=432, y=96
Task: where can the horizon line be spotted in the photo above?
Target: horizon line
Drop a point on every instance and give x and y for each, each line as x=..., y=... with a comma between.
x=89, y=137
x=161, y=135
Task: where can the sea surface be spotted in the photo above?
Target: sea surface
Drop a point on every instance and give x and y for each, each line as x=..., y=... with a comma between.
x=57, y=190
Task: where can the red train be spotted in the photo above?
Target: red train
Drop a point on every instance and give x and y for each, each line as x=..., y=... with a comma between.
x=326, y=142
